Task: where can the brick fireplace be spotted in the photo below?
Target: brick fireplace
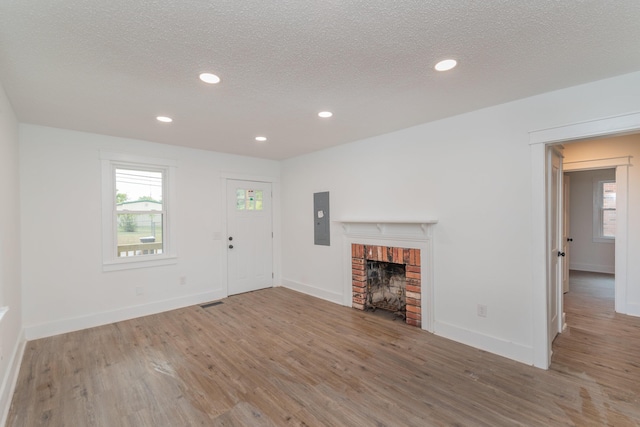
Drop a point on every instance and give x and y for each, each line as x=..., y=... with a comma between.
x=406, y=246
x=410, y=258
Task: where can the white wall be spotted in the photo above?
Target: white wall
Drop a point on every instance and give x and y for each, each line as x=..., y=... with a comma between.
x=621, y=146
x=63, y=283
x=584, y=253
x=11, y=337
x=473, y=173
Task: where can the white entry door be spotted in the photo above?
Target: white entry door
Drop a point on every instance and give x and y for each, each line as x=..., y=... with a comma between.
x=249, y=236
x=554, y=239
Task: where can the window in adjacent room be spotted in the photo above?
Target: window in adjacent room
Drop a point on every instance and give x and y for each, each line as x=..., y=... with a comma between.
x=604, y=214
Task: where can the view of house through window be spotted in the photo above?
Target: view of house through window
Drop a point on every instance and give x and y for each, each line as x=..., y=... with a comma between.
x=608, y=208
x=139, y=212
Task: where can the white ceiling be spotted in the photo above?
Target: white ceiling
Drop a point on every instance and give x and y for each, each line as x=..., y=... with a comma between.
x=111, y=67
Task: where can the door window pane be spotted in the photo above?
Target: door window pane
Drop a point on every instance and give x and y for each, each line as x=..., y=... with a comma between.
x=249, y=200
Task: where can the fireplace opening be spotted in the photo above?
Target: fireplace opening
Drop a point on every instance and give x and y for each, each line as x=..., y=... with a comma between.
x=386, y=288
x=394, y=285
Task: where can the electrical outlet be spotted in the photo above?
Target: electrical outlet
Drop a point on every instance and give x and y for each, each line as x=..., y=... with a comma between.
x=139, y=290
x=482, y=310
x=183, y=280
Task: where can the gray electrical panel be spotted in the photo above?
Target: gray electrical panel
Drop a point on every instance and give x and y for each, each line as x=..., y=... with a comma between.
x=321, y=231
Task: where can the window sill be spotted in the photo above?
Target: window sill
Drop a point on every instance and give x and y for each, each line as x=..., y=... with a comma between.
x=138, y=263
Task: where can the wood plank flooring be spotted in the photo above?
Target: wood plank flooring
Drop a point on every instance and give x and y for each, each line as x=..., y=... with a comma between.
x=280, y=358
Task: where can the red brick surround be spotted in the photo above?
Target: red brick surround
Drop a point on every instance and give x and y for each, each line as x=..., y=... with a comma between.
x=410, y=257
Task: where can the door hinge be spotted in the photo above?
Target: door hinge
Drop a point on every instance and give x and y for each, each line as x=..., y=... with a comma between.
x=272, y=234
x=273, y=276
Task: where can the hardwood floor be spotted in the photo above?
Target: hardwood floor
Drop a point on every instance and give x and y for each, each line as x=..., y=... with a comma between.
x=599, y=352
x=278, y=358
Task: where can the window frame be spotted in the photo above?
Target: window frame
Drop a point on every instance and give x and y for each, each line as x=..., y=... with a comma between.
x=110, y=259
x=598, y=211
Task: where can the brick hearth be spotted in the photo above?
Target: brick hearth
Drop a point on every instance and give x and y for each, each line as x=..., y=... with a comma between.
x=410, y=257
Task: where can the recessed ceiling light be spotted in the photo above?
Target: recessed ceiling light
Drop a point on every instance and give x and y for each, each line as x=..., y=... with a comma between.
x=261, y=138
x=325, y=114
x=209, y=78
x=446, y=65
x=164, y=119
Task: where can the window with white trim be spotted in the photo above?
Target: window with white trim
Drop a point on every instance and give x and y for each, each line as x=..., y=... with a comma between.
x=136, y=206
x=604, y=213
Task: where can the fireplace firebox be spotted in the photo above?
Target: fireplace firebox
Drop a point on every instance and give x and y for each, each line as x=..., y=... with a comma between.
x=386, y=287
x=388, y=278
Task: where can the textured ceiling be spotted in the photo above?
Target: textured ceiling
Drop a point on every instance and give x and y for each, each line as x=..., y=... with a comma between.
x=111, y=67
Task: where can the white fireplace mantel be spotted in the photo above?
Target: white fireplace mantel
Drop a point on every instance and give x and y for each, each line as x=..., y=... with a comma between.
x=406, y=229
x=415, y=234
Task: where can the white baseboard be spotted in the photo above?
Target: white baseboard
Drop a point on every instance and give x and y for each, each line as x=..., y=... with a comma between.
x=511, y=350
x=335, y=297
x=593, y=268
x=633, y=309
x=57, y=327
x=11, y=377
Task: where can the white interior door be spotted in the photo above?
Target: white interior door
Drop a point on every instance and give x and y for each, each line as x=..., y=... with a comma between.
x=566, y=239
x=554, y=239
x=249, y=236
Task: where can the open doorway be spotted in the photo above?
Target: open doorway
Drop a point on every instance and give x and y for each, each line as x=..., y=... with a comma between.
x=590, y=220
x=593, y=229
x=625, y=244
x=589, y=237
x=601, y=185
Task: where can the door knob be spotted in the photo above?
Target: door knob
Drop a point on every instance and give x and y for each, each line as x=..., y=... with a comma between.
x=569, y=239
x=230, y=246
x=230, y=238
x=561, y=253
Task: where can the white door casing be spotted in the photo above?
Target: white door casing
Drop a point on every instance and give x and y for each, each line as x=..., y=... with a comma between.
x=249, y=241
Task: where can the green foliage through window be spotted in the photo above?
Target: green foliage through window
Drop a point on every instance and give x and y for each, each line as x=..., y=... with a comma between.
x=127, y=222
